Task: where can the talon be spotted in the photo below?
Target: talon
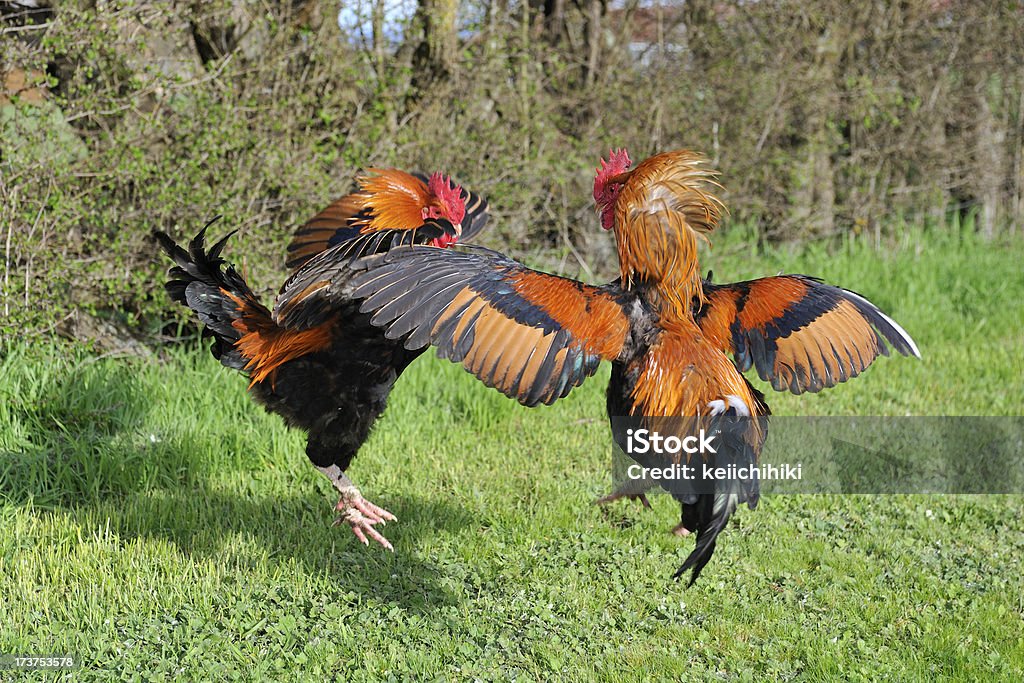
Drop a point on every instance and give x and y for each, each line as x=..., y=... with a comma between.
x=361, y=515
x=374, y=511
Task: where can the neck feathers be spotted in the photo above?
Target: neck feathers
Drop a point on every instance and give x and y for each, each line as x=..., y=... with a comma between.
x=395, y=199
x=664, y=264
x=664, y=210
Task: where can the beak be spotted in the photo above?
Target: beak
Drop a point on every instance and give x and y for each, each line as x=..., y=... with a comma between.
x=458, y=229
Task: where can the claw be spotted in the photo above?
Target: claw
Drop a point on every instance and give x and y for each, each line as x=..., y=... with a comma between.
x=361, y=515
x=612, y=497
x=680, y=530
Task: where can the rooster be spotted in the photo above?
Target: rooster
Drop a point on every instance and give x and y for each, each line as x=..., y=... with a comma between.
x=385, y=201
x=668, y=333
x=331, y=379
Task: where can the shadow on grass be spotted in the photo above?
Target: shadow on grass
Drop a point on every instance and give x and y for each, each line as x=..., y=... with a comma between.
x=86, y=458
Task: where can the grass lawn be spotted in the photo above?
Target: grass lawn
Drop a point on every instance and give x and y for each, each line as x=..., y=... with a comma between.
x=154, y=523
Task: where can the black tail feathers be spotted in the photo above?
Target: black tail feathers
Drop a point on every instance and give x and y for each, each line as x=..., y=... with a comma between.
x=708, y=516
x=740, y=440
x=200, y=281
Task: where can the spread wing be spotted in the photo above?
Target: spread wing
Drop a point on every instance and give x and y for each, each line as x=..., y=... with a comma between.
x=320, y=287
x=799, y=333
x=530, y=335
x=344, y=218
x=339, y=222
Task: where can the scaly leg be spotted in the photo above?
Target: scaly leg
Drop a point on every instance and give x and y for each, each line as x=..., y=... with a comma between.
x=360, y=514
x=617, y=495
x=631, y=489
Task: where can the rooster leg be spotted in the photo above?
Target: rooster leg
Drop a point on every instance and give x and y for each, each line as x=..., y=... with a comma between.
x=617, y=495
x=360, y=514
x=632, y=489
x=689, y=521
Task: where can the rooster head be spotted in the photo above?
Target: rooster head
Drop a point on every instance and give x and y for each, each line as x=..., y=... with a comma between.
x=611, y=176
x=445, y=201
x=397, y=200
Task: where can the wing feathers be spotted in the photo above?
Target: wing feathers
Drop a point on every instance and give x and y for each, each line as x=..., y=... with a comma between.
x=798, y=333
x=892, y=331
x=530, y=335
x=407, y=322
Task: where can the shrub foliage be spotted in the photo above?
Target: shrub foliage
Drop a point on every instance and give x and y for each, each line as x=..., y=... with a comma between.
x=118, y=118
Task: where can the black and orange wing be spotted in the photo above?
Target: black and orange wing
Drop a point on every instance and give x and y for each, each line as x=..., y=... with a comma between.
x=319, y=289
x=797, y=332
x=343, y=220
x=530, y=335
x=340, y=221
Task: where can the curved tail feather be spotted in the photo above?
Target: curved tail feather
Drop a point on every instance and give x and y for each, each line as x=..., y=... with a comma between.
x=708, y=516
x=740, y=438
x=245, y=335
x=200, y=281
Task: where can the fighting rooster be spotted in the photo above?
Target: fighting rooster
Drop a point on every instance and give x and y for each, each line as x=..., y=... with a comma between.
x=535, y=336
x=391, y=200
x=333, y=378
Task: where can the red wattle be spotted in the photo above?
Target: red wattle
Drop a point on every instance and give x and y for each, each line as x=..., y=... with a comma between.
x=444, y=241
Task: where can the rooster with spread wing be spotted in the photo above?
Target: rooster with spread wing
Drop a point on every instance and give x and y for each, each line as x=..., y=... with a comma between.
x=331, y=378
x=668, y=333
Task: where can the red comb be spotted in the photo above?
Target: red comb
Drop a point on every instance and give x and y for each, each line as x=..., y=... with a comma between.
x=449, y=195
x=618, y=162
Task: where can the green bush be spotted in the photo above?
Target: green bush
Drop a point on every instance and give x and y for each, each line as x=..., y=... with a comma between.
x=825, y=118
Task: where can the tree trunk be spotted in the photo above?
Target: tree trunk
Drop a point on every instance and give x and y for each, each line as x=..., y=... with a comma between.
x=379, y=40
x=554, y=21
x=434, y=60
x=990, y=137
x=699, y=20
x=592, y=37
x=814, y=194
x=1017, y=225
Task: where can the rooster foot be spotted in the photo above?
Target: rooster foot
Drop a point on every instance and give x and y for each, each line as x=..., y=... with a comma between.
x=680, y=530
x=612, y=497
x=361, y=515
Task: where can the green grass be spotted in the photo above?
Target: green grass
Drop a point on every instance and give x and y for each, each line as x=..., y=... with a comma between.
x=155, y=524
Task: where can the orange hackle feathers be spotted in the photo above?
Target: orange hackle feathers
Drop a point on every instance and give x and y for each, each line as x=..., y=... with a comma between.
x=396, y=199
x=664, y=208
x=267, y=346
x=386, y=199
x=400, y=201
